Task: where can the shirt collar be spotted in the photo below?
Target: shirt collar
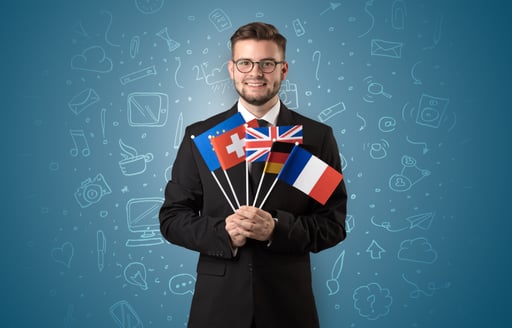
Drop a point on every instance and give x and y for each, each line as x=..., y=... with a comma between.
x=270, y=117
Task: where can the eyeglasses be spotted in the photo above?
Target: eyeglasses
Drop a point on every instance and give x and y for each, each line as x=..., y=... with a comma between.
x=266, y=66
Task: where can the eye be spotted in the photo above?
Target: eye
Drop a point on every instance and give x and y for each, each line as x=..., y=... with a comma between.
x=244, y=63
x=268, y=64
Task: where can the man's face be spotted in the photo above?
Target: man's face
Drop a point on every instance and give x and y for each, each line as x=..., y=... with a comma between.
x=255, y=87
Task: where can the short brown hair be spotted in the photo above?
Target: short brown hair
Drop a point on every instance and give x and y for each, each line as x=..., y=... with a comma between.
x=259, y=31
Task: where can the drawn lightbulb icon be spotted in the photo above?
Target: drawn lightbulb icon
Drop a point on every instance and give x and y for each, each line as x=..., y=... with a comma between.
x=135, y=274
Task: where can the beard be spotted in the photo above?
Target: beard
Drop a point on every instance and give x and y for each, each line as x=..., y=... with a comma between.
x=260, y=99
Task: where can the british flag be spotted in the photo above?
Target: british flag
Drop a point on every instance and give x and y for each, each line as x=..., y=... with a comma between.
x=258, y=141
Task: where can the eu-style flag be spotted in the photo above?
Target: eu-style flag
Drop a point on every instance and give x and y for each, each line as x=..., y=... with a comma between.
x=204, y=146
x=310, y=175
x=258, y=141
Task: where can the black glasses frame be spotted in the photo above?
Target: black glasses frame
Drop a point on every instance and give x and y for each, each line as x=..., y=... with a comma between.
x=260, y=64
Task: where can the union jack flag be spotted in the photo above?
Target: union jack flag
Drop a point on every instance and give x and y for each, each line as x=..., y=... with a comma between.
x=258, y=141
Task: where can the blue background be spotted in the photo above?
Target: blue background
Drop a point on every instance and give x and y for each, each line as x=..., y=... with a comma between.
x=444, y=106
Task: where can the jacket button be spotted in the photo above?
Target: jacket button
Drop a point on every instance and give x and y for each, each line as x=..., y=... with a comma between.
x=250, y=267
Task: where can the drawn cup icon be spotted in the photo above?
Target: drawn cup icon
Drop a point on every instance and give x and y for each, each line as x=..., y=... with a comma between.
x=133, y=163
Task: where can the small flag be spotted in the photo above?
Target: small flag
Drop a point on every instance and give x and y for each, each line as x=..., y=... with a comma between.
x=277, y=157
x=230, y=146
x=204, y=146
x=310, y=175
x=258, y=141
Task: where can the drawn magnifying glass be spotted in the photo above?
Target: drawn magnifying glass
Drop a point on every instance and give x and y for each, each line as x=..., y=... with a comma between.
x=377, y=89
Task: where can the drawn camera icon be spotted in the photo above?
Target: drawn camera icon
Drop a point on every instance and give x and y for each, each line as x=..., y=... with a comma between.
x=91, y=191
x=431, y=111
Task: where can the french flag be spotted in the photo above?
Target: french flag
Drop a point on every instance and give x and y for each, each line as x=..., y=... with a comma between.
x=310, y=175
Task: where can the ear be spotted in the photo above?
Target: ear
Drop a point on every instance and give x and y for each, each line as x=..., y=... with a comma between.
x=231, y=66
x=284, y=71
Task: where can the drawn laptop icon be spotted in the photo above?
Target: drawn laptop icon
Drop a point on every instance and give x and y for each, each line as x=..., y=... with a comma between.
x=147, y=109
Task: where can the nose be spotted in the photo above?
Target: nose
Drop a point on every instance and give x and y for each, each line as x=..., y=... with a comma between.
x=257, y=69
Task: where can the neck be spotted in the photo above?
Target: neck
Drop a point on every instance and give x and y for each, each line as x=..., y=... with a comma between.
x=259, y=110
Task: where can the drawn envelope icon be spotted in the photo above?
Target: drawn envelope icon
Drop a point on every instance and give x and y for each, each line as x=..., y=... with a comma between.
x=386, y=48
x=147, y=109
x=83, y=100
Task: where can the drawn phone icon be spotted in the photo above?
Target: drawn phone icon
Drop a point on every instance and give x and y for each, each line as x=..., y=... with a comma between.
x=431, y=111
x=298, y=28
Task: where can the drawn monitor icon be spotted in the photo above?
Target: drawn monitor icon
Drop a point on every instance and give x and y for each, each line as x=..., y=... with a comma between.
x=142, y=217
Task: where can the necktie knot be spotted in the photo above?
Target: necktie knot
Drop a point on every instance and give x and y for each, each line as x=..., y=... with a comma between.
x=262, y=123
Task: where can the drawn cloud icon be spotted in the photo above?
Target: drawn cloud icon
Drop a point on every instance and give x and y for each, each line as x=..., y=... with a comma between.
x=92, y=59
x=372, y=301
x=417, y=250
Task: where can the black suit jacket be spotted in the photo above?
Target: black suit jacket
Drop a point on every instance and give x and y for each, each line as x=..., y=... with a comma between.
x=268, y=284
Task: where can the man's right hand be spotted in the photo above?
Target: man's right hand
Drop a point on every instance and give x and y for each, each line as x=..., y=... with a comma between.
x=234, y=230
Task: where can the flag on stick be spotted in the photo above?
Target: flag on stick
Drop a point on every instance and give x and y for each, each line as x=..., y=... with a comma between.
x=277, y=157
x=310, y=175
x=275, y=161
x=258, y=141
x=230, y=146
x=230, y=150
x=204, y=146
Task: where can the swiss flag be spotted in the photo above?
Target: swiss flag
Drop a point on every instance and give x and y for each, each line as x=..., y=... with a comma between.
x=230, y=146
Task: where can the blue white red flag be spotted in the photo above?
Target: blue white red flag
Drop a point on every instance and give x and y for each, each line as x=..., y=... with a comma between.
x=310, y=175
x=258, y=141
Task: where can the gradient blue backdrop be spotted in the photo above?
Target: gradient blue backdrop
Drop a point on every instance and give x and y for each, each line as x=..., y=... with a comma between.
x=444, y=69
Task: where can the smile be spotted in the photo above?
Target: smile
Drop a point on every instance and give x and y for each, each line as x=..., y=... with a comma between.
x=255, y=84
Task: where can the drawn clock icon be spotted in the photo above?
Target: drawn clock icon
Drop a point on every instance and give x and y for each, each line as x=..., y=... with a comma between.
x=149, y=6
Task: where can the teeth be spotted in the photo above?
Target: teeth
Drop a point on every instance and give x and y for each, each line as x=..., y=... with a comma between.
x=255, y=84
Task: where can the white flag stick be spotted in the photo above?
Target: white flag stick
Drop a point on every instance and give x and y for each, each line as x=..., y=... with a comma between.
x=259, y=187
x=232, y=189
x=223, y=191
x=268, y=193
x=246, y=183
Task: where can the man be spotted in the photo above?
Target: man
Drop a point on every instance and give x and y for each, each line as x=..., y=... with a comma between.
x=254, y=264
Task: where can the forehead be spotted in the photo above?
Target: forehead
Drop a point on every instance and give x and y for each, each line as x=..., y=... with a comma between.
x=256, y=50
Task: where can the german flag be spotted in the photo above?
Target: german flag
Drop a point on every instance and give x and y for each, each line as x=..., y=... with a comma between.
x=277, y=157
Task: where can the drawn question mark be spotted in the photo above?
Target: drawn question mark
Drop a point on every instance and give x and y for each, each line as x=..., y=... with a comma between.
x=371, y=299
x=319, y=55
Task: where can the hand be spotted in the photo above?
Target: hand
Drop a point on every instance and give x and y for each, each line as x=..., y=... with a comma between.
x=234, y=231
x=254, y=223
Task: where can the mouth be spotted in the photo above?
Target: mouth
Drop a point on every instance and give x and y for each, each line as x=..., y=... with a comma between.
x=258, y=84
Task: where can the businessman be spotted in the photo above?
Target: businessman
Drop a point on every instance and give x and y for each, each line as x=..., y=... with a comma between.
x=254, y=264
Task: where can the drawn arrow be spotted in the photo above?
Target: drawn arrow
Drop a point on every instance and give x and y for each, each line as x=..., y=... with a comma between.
x=375, y=250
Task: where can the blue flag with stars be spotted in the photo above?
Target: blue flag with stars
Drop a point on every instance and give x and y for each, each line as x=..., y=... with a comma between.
x=204, y=146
